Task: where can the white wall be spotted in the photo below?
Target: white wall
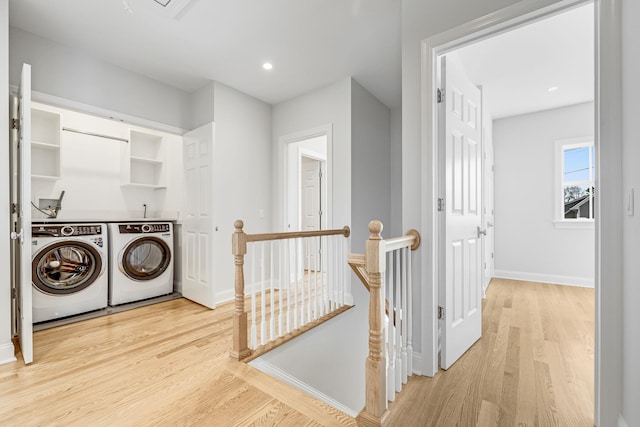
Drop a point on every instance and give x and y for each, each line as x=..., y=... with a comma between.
x=527, y=244
x=6, y=347
x=395, y=228
x=75, y=75
x=242, y=176
x=328, y=105
x=201, y=108
x=631, y=224
x=362, y=128
x=370, y=165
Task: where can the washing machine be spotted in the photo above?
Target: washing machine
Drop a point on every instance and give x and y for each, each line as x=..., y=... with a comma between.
x=69, y=269
x=141, y=259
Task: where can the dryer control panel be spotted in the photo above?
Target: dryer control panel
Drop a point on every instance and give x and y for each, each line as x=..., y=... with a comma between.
x=66, y=230
x=144, y=228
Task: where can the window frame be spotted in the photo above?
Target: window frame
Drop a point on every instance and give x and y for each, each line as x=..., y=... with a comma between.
x=560, y=146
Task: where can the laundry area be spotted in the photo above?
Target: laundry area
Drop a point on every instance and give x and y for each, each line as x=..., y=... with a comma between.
x=105, y=200
x=120, y=198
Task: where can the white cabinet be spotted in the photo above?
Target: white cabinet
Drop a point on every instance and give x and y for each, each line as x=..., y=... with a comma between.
x=144, y=161
x=45, y=145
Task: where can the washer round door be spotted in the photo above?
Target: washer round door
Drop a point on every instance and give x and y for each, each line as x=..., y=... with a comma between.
x=145, y=258
x=66, y=267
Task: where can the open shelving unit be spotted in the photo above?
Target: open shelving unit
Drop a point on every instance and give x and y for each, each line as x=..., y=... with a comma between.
x=45, y=145
x=144, y=161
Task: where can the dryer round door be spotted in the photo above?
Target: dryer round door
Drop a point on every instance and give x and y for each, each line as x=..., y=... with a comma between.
x=145, y=258
x=66, y=267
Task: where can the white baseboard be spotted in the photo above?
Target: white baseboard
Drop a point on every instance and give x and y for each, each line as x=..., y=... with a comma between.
x=286, y=378
x=417, y=363
x=7, y=353
x=224, y=296
x=585, y=282
x=622, y=422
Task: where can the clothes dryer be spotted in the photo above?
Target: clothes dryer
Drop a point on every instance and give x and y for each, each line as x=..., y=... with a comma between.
x=69, y=269
x=141, y=257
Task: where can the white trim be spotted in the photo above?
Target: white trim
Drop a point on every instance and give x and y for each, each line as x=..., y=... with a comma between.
x=417, y=363
x=56, y=101
x=503, y=20
x=582, y=224
x=7, y=353
x=622, y=422
x=224, y=296
x=560, y=145
x=584, y=282
x=285, y=377
x=324, y=130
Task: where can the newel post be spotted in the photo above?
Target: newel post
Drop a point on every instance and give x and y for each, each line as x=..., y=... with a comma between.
x=375, y=412
x=240, y=349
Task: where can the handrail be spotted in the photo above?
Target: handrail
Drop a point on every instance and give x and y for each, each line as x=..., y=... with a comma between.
x=370, y=269
x=345, y=231
x=317, y=300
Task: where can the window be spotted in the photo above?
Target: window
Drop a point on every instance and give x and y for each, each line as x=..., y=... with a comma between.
x=575, y=182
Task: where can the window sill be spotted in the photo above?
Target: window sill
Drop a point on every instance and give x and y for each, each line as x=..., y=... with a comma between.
x=576, y=224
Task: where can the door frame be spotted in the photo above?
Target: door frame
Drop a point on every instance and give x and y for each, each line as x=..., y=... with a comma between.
x=285, y=140
x=608, y=111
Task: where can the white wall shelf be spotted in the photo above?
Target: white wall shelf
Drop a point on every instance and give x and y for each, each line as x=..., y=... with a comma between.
x=144, y=161
x=45, y=145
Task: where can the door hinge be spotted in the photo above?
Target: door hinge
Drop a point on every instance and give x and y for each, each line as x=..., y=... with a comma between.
x=440, y=204
x=14, y=293
x=440, y=312
x=15, y=124
x=320, y=174
x=440, y=96
x=14, y=208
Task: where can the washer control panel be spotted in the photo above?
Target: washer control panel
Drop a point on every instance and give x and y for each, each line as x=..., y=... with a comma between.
x=144, y=228
x=66, y=230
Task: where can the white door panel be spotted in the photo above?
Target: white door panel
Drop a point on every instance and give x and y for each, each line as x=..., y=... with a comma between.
x=463, y=246
x=22, y=263
x=198, y=225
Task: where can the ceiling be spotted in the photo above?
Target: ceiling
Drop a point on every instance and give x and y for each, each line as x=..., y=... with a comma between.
x=310, y=43
x=517, y=68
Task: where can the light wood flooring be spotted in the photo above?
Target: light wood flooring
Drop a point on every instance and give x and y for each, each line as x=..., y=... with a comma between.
x=167, y=364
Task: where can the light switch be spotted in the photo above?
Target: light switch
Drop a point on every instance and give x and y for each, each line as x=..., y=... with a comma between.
x=630, y=202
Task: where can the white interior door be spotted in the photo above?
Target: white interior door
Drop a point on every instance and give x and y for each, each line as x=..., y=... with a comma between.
x=310, y=193
x=198, y=226
x=22, y=230
x=463, y=205
x=310, y=204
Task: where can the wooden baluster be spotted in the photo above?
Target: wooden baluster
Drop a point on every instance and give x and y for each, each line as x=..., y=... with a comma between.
x=295, y=285
x=399, y=320
x=272, y=319
x=288, y=282
x=281, y=287
x=375, y=412
x=391, y=331
x=403, y=254
x=263, y=299
x=409, y=316
x=240, y=349
x=254, y=329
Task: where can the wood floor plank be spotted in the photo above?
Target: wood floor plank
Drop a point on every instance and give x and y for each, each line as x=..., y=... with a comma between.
x=167, y=364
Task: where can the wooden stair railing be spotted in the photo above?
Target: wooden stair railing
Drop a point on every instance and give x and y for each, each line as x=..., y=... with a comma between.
x=307, y=272
x=389, y=362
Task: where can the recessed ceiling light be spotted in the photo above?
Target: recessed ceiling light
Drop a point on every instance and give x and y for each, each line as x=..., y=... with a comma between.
x=267, y=66
x=553, y=88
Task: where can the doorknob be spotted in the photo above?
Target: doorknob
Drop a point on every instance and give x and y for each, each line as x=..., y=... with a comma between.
x=482, y=231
